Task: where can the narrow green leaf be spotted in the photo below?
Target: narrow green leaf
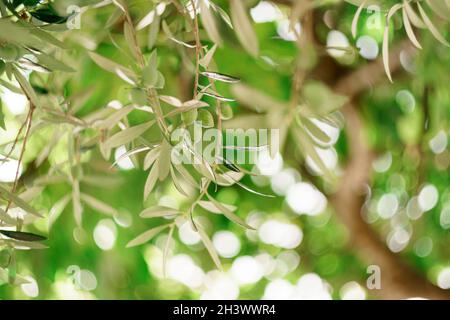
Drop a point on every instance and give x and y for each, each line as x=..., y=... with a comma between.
x=158, y=211
x=356, y=19
x=150, y=158
x=243, y=27
x=23, y=236
x=98, y=205
x=26, y=87
x=229, y=214
x=210, y=247
x=127, y=135
x=146, y=236
x=220, y=77
x=2, y=117
x=211, y=207
x=431, y=27
x=151, y=180
x=209, y=23
x=18, y=202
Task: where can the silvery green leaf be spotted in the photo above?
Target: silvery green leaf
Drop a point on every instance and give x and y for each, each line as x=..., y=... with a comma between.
x=121, y=5
x=356, y=18
x=229, y=214
x=150, y=76
x=52, y=63
x=167, y=247
x=151, y=180
x=210, y=247
x=98, y=205
x=57, y=209
x=256, y=100
x=76, y=202
x=243, y=27
x=139, y=96
x=5, y=194
x=222, y=13
x=217, y=96
x=114, y=118
x=434, y=31
x=146, y=236
x=111, y=66
x=206, y=118
x=27, y=245
x=128, y=33
x=385, y=46
x=27, y=88
x=206, y=60
x=150, y=158
x=164, y=160
x=307, y=149
x=440, y=7
x=409, y=30
x=127, y=135
x=2, y=117
x=10, y=86
x=186, y=175
x=153, y=32
x=169, y=35
x=320, y=99
x=158, y=211
x=413, y=16
x=209, y=23
x=147, y=20
x=22, y=236
x=220, y=77
x=17, y=280
x=315, y=131
x=211, y=207
x=173, y=101
x=160, y=81
x=177, y=182
x=226, y=112
x=189, y=117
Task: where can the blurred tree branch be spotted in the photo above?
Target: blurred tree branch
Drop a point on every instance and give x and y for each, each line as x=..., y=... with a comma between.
x=399, y=280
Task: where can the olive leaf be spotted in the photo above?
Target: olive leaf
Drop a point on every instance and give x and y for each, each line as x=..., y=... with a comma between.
x=220, y=77
x=151, y=157
x=146, y=236
x=243, y=27
x=23, y=236
x=158, y=211
x=228, y=213
x=98, y=205
x=209, y=22
x=209, y=247
x=408, y=28
x=2, y=117
x=18, y=201
x=151, y=180
x=211, y=207
x=320, y=99
x=356, y=18
x=434, y=31
x=112, y=66
x=128, y=135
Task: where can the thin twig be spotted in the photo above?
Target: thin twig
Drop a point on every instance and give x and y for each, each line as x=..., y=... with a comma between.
x=198, y=48
x=22, y=152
